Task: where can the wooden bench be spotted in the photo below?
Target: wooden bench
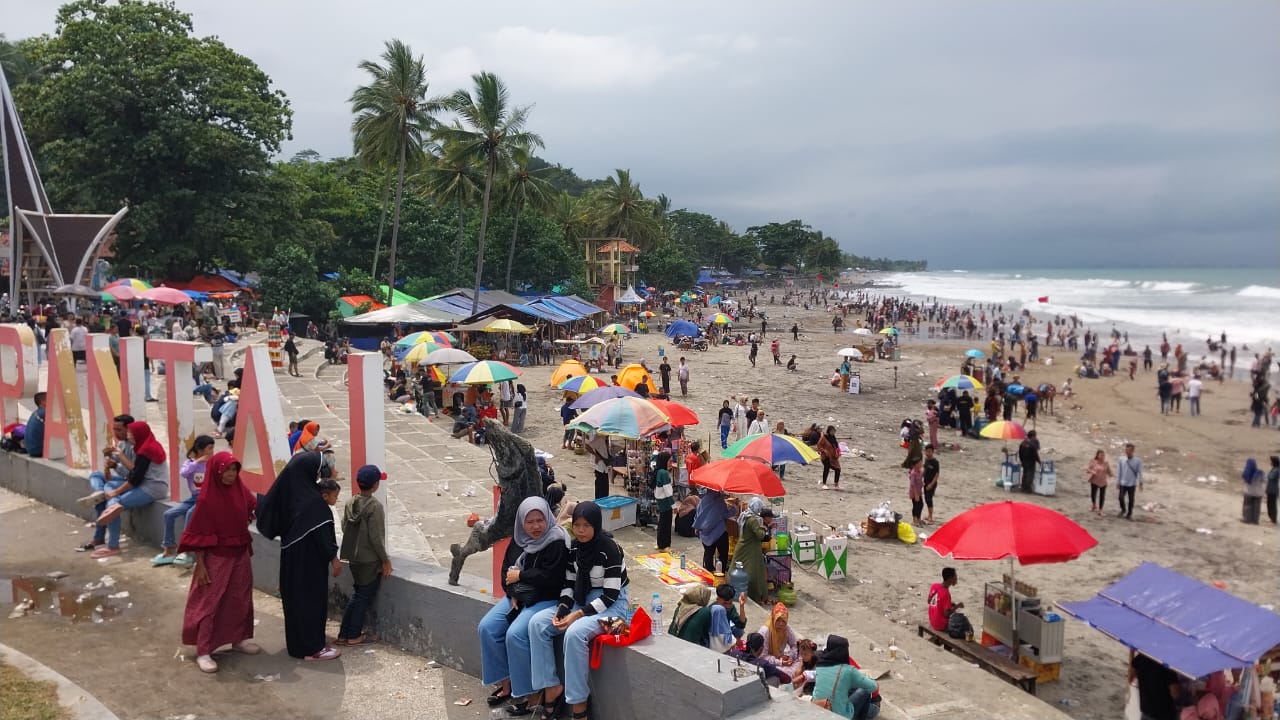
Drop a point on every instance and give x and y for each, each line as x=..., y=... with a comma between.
x=987, y=659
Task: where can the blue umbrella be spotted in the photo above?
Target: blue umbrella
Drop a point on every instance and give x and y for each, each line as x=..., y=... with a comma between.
x=683, y=328
x=599, y=395
x=975, y=353
x=1015, y=389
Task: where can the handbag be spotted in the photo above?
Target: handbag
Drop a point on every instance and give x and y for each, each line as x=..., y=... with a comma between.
x=641, y=627
x=825, y=703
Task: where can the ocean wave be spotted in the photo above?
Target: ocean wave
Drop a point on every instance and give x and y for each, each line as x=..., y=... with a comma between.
x=1167, y=286
x=1260, y=291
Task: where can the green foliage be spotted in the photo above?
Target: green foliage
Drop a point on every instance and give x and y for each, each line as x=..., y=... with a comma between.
x=290, y=282
x=869, y=263
x=15, y=58
x=133, y=108
x=665, y=265
x=356, y=281
x=619, y=209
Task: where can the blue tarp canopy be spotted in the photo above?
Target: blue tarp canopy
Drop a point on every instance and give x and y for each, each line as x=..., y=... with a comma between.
x=1188, y=626
x=683, y=328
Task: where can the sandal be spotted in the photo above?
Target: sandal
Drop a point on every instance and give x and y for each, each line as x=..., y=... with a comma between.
x=184, y=560
x=163, y=559
x=495, y=698
x=206, y=664
x=519, y=709
x=325, y=654
x=104, y=552
x=580, y=715
x=554, y=711
x=87, y=547
x=247, y=648
x=371, y=638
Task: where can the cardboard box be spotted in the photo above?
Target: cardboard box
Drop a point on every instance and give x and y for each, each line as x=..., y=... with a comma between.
x=835, y=553
x=804, y=547
x=1045, y=672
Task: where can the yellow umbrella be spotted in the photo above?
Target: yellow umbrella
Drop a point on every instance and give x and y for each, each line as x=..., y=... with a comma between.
x=507, y=326
x=419, y=352
x=567, y=369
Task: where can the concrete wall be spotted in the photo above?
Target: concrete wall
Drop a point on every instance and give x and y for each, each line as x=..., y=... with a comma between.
x=419, y=611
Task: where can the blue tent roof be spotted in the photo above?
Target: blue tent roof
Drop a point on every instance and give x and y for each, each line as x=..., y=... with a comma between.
x=683, y=328
x=1187, y=625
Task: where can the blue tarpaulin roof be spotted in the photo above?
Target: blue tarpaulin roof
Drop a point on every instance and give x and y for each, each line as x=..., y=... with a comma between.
x=1191, y=627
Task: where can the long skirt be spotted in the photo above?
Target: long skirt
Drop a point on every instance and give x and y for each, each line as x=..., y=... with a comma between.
x=220, y=613
x=304, y=590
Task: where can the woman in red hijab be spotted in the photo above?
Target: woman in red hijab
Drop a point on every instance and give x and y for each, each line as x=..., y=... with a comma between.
x=220, y=602
x=146, y=482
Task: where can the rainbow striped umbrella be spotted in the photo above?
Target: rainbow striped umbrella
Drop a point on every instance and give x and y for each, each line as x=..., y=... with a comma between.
x=960, y=382
x=443, y=339
x=580, y=384
x=131, y=283
x=629, y=417
x=413, y=354
x=618, y=328
x=718, y=319
x=772, y=448
x=1003, y=430
x=120, y=293
x=484, y=372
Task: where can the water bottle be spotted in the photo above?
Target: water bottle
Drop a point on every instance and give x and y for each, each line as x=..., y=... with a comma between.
x=655, y=611
x=739, y=579
x=682, y=561
x=498, y=713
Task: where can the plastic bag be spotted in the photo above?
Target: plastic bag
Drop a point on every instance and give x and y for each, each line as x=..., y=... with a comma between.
x=906, y=534
x=641, y=628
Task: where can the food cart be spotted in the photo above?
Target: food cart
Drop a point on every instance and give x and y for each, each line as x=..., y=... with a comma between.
x=1039, y=642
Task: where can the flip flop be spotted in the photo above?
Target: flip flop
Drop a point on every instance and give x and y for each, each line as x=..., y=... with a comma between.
x=325, y=654
x=163, y=559
x=184, y=560
x=369, y=639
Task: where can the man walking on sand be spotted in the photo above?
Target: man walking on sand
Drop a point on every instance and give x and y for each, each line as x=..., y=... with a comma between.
x=1129, y=480
x=682, y=374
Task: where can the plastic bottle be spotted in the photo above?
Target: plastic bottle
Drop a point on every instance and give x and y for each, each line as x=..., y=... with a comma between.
x=655, y=613
x=739, y=579
x=682, y=561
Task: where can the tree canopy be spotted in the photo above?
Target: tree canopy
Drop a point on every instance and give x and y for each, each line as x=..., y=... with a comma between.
x=124, y=103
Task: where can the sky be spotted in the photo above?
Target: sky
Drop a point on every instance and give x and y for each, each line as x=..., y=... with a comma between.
x=971, y=133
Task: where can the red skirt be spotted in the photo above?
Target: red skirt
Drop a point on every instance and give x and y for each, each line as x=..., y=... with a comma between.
x=220, y=613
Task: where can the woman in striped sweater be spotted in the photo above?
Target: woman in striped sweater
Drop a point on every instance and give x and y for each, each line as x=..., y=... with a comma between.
x=595, y=586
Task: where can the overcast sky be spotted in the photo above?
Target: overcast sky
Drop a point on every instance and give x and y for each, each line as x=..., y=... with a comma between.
x=973, y=134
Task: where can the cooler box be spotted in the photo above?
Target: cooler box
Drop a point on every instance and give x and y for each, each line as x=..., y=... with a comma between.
x=804, y=547
x=1046, y=481
x=835, y=552
x=1010, y=474
x=618, y=511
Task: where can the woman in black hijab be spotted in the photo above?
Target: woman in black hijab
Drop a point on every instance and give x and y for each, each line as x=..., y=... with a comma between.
x=840, y=686
x=294, y=511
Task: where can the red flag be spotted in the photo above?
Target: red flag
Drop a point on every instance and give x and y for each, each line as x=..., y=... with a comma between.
x=1043, y=298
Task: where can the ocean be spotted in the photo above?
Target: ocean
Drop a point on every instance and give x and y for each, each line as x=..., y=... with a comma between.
x=1190, y=304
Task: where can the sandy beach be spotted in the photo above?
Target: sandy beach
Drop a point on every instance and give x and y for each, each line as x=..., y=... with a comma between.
x=1188, y=517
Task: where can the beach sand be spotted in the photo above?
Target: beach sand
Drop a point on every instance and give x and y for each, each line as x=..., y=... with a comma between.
x=1183, y=522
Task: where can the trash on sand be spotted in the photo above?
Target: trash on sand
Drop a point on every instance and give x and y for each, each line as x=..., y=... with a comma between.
x=462, y=701
x=267, y=678
x=1204, y=531
x=21, y=608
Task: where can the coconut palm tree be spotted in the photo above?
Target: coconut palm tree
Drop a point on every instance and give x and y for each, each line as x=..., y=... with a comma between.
x=393, y=116
x=621, y=210
x=524, y=188
x=494, y=132
x=454, y=179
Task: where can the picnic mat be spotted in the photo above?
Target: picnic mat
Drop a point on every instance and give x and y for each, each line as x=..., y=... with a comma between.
x=667, y=567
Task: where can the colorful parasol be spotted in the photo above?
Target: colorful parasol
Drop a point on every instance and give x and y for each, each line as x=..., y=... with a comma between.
x=680, y=416
x=567, y=369
x=718, y=319
x=443, y=339
x=120, y=293
x=414, y=354
x=165, y=296
x=131, y=283
x=624, y=417
x=960, y=382
x=484, y=372
x=773, y=449
x=591, y=398
x=889, y=331
x=1003, y=430
x=612, y=328
x=580, y=384
x=738, y=477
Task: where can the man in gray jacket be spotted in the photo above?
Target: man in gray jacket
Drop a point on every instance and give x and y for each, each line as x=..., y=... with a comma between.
x=1129, y=479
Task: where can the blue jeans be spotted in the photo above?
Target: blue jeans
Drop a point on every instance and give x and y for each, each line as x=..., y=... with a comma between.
x=362, y=597
x=129, y=500
x=504, y=649
x=184, y=508
x=98, y=481
x=724, y=436
x=862, y=707
x=205, y=390
x=146, y=382
x=577, y=648
x=1195, y=405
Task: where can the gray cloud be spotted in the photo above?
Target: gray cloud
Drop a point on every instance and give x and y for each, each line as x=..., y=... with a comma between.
x=977, y=133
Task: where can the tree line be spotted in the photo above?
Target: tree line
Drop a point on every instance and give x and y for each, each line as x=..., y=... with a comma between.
x=124, y=104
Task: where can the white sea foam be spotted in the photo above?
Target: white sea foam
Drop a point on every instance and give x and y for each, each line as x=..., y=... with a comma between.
x=1260, y=291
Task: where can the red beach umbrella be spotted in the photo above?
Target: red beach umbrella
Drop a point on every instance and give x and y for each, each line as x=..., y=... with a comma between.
x=680, y=415
x=1029, y=533
x=739, y=477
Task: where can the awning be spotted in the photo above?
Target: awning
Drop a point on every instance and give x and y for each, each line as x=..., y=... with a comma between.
x=629, y=297
x=412, y=314
x=1191, y=627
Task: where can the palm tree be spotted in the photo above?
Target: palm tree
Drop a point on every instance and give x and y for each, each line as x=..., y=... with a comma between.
x=452, y=179
x=494, y=132
x=622, y=211
x=525, y=187
x=393, y=114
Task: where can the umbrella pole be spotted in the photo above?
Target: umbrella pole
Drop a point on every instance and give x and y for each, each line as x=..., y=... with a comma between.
x=1013, y=582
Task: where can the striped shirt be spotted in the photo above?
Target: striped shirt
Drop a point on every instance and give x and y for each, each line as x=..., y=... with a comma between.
x=608, y=572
